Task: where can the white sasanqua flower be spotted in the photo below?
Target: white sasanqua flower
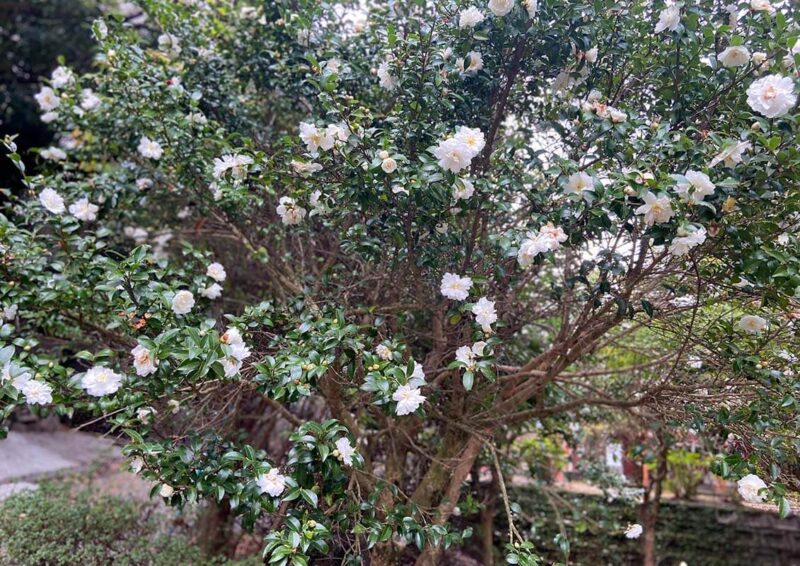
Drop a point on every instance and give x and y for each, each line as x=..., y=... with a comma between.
x=143, y=361
x=37, y=392
x=761, y=6
x=387, y=81
x=549, y=238
x=408, y=399
x=501, y=7
x=345, y=451
x=150, y=149
x=694, y=186
x=668, y=19
x=485, y=313
x=272, y=483
x=166, y=490
x=316, y=138
x=53, y=154
x=136, y=465
x=734, y=56
x=453, y=155
x=634, y=531
x=731, y=155
x=84, y=210
x=314, y=199
x=48, y=117
x=213, y=291
x=197, y=118
x=455, y=287
x=617, y=116
x=89, y=100
x=52, y=201
x=217, y=272
x=656, y=209
x=340, y=132
x=417, y=378
x=289, y=211
x=61, y=77
x=531, y=6
x=579, y=182
x=470, y=18
x=47, y=99
x=473, y=138
x=685, y=241
x=233, y=164
x=305, y=169
x=772, y=96
x=749, y=487
x=468, y=354
x=475, y=63
x=389, y=165
x=383, y=352
x=590, y=56
x=182, y=302
x=753, y=324
x=101, y=381
x=463, y=189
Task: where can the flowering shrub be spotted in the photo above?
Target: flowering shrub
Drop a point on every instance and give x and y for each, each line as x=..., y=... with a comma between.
x=315, y=261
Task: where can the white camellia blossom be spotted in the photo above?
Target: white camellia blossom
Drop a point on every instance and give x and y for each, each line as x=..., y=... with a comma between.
x=531, y=6
x=455, y=287
x=470, y=17
x=305, y=169
x=53, y=154
x=182, y=302
x=417, y=378
x=389, y=165
x=47, y=99
x=734, y=56
x=579, y=182
x=289, y=211
x=772, y=96
x=84, y=210
x=101, y=381
x=235, y=164
x=617, y=116
x=761, y=6
x=473, y=138
x=37, y=392
x=753, y=324
x=150, y=149
x=731, y=155
x=383, y=352
x=386, y=80
x=694, y=186
x=89, y=100
x=143, y=361
x=272, y=483
x=549, y=238
x=457, y=152
x=48, y=117
x=238, y=351
x=213, y=291
x=408, y=399
x=217, y=272
x=749, y=487
x=197, y=118
x=685, y=241
x=668, y=19
x=468, y=354
x=501, y=7
x=475, y=63
x=346, y=451
x=463, y=189
x=316, y=138
x=485, y=313
x=61, y=77
x=656, y=209
x=52, y=201
x=590, y=56
x=166, y=490
x=634, y=531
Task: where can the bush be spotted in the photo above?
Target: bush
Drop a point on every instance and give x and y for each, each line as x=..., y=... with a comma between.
x=62, y=525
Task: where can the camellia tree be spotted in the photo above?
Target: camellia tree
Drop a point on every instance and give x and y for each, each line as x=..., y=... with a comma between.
x=317, y=260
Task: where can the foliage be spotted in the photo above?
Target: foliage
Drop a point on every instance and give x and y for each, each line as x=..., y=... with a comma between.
x=64, y=524
x=319, y=260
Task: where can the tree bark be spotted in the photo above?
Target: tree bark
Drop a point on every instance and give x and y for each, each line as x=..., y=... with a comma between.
x=650, y=508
